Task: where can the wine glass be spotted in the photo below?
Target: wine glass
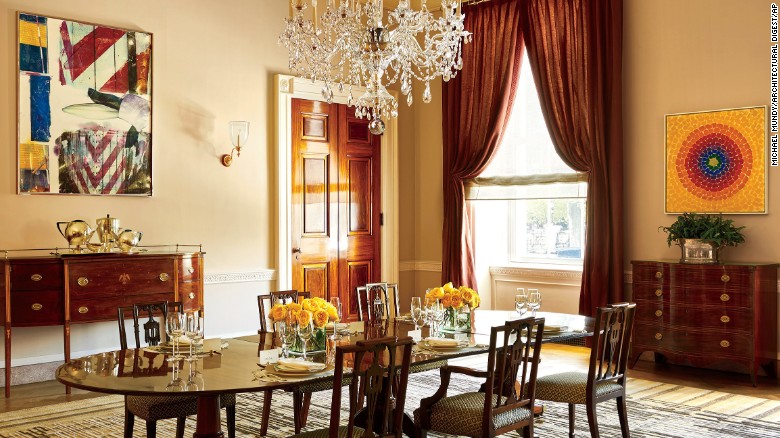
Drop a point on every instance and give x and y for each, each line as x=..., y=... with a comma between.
x=521, y=301
x=435, y=313
x=174, y=329
x=305, y=332
x=193, y=329
x=534, y=300
x=416, y=312
x=336, y=302
x=176, y=384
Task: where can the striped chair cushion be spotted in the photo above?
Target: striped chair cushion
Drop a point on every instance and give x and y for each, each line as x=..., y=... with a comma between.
x=153, y=408
x=323, y=433
x=570, y=387
x=462, y=415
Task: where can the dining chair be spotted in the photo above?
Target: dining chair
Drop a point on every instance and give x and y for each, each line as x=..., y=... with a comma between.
x=506, y=400
x=376, y=363
x=377, y=302
x=266, y=301
x=301, y=394
x=154, y=408
x=606, y=377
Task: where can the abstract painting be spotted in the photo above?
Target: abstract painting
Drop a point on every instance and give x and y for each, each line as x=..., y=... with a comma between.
x=85, y=108
x=715, y=161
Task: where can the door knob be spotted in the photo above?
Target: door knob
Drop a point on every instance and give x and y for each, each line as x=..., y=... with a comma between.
x=296, y=251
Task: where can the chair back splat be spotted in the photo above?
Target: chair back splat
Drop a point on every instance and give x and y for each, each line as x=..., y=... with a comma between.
x=266, y=301
x=380, y=378
x=514, y=357
x=609, y=355
x=377, y=302
x=152, y=328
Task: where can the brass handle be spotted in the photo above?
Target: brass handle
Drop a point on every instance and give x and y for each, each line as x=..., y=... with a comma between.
x=36, y=277
x=658, y=336
x=725, y=297
x=659, y=274
x=725, y=278
x=725, y=344
x=82, y=281
x=658, y=292
x=164, y=277
x=191, y=295
x=83, y=309
x=37, y=306
x=191, y=270
x=658, y=313
x=724, y=319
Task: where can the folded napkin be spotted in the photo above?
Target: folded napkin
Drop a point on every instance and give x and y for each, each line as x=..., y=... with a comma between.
x=300, y=365
x=555, y=328
x=339, y=326
x=443, y=342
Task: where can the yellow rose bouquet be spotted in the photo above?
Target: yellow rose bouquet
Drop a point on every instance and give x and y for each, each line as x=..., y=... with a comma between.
x=458, y=304
x=316, y=311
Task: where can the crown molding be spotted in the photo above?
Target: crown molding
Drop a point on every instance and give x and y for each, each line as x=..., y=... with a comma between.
x=240, y=277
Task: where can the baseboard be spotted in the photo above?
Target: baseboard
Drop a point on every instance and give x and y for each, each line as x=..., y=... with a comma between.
x=24, y=374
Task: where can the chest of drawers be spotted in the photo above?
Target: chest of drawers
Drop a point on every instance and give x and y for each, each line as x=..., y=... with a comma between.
x=706, y=315
x=72, y=289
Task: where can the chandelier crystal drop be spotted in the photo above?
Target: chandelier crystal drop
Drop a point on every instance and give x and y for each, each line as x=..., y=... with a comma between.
x=357, y=42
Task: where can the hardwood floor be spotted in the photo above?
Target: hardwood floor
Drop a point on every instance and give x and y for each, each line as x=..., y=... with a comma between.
x=555, y=358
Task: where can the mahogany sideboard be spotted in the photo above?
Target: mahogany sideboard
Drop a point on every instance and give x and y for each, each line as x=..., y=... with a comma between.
x=67, y=289
x=705, y=315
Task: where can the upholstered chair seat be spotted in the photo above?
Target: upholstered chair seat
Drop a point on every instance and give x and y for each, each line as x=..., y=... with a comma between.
x=462, y=415
x=570, y=387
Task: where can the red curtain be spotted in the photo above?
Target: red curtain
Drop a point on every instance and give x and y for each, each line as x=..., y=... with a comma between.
x=575, y=51
x=476, y=106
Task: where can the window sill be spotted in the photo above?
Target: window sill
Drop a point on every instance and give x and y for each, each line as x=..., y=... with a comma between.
x=538, y=270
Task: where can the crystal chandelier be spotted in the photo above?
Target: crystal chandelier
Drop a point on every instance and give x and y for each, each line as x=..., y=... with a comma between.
x=355, y=43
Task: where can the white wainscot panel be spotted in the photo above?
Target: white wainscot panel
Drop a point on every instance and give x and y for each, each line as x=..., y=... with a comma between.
x=560, y=288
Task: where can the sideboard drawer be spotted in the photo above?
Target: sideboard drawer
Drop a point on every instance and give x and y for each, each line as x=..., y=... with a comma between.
x=733, y=278
x=189, y=268
x=36, y=276
x=698, y=295
x=189, y=295
x=650, y=292
x=725, y=318
x=36, y=308
x=651, y=272
x=711, y=343
x=132, y=277
x=94, y=310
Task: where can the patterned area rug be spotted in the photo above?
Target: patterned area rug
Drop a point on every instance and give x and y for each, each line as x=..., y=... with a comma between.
x=656, y=410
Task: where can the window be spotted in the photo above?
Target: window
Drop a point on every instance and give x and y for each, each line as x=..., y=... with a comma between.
x=544, y=198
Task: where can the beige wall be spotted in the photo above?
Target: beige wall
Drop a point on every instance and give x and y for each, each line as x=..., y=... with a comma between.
x=213, y=62
x=683, y=56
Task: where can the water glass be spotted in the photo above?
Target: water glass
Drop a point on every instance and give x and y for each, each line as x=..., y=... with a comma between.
x=193, y=329
x=521, y=301
x=417, y=313
x=174, y=328
x=336, y=302
x=534, y=300
x=305, y=332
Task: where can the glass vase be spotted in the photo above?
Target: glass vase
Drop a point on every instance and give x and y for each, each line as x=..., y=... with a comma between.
x=457, y=320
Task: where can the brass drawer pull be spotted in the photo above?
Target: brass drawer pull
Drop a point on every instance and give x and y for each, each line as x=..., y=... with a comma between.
x=658, y=313
x=83, y=309
x=36, y=277
x=724, y=319
x=725, y=278
x=164, y=276
x=191, y=270
x=725, y=344
x=191, y=295
x=725, y=297
x=83, y=281
x=658, y=292
x=658, y=336
x=37, y=306
x=659, y=274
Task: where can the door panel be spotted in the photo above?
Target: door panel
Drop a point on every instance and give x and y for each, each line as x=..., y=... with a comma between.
x=314, y=208
x=336, y=202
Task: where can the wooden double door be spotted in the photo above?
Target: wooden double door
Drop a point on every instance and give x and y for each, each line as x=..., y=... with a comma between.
x=336, y=217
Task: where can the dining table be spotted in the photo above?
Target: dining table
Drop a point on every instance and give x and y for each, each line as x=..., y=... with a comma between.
x=234, y=367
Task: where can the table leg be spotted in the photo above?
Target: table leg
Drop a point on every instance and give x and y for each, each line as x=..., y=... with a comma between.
x=208, y=423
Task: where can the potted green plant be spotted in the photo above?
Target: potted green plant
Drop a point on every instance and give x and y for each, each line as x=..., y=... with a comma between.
x=702, y=236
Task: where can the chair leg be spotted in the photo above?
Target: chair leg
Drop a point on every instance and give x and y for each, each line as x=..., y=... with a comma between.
x=230, y=413
x=305, y=409
x=151, y=429
x=266, y=412
x=623, y=415
x=571, y=419
x=297, y=408
x=129, y=422
x=180, y=426
x=592, y=423
x=528, y=431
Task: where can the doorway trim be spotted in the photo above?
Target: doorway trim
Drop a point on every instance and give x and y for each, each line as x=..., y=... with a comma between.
x=286, y=89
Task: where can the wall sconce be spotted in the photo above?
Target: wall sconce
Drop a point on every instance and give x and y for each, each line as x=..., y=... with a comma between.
x=239, y=131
